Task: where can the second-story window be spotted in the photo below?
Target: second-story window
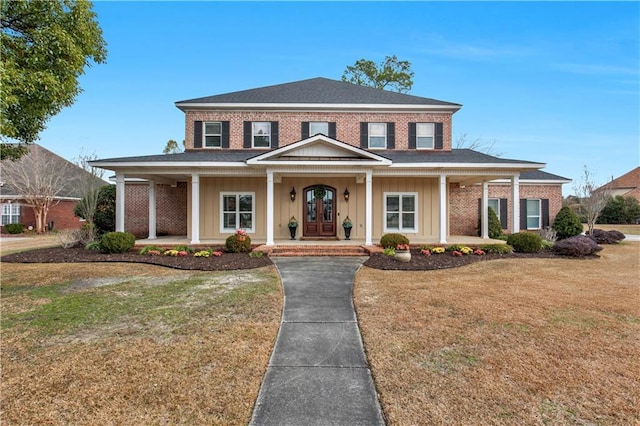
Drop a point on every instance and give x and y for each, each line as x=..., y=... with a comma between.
x=316, y=127
x=213, y=135
x=261, y=134
x=424, y=135
x=378, y=135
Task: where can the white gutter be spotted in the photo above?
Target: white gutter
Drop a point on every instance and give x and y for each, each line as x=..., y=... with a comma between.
x=467, y=166
x=316, y=106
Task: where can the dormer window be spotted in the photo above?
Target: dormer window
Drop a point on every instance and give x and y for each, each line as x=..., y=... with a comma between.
x=261, y=134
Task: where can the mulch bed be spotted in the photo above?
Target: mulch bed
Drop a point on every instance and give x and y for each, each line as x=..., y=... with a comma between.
x=228, y=261
x=420, y=262
x=233, y=261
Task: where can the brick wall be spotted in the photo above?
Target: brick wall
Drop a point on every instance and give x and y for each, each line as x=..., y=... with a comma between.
x=289, y=124
x=171, y=209
x=61, y=214
x=463, y=218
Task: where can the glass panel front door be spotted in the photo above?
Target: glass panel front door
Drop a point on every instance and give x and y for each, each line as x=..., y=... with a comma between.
x=319, y=215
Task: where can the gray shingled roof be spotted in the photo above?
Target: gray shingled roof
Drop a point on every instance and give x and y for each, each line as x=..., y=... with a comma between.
x=318, y=91
x=540, y=175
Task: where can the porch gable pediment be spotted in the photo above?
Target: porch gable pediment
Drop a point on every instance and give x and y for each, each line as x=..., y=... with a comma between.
x=318, y=149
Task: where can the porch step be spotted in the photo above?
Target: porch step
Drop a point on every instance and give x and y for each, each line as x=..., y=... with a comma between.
x=313, y=250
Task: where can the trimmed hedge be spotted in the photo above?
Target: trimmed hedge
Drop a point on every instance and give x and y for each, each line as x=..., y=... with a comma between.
x=392, y=240
x=578, y=246
x=525, y=242
x=235, y=246
x=14, y=228
x=117, y=242
x=567, y=224
x=606, y=237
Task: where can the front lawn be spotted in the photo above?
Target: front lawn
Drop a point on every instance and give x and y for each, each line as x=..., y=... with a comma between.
x=518, y=341
x=116, y=343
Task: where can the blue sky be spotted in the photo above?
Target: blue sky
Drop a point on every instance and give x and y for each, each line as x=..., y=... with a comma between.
x=557, y=83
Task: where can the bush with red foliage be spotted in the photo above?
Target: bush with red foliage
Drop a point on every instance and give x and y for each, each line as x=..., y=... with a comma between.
x=578, y=246
x=606, y=237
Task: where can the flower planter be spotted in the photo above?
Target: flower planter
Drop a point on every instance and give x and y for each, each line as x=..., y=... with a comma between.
x=347, y=233
x=292, y=231
x=402, y=256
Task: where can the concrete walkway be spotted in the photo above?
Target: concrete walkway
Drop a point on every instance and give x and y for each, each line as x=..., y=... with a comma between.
x=318, y=373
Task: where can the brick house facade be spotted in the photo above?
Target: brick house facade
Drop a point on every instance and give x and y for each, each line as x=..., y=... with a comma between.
x=320, y=151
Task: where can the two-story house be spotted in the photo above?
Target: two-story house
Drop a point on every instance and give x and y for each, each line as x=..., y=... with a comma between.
x=322, y=150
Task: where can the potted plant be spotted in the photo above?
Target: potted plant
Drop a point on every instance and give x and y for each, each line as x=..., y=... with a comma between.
x=402, y=253
x=293, y=225
x=347, y=225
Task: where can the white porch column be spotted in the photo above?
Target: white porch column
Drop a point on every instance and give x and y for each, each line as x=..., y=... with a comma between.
x=152, y=210
x=515, y=202
x=443, y=208
x=119, y=202
x=195, y=209
x=270, y=204
x=484, y=205
x=368, y=211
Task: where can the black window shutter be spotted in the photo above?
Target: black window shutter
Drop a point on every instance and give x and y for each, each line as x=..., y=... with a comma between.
x=503, y=213
x=274, y=134
x=523, y=213
x=479, y=217
x=247, y=134
x=332, y=130
x=412, y=135
x=438, y=136
x=364, y=135
x=304, y=130
x=225, y=134
x=391, y=135
x=545, y=212
x=197, y=134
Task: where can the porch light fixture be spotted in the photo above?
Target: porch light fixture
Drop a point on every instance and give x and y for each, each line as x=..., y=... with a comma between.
x=292, y=194
x=346, y=194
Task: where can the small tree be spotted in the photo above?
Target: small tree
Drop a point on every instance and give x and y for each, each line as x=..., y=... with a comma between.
x=567, y=224
x=592, y=200
x=391, y=72
x=495, y=227
x=39, y=180
x=105, y=215
x=90, y=182
x=172, y=147
x=620, y=210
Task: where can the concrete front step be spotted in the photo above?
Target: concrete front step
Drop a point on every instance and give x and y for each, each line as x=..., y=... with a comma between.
x=318, y=251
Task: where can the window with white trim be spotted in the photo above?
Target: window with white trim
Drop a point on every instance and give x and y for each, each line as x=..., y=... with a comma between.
x=533, y=213
x=378, y=135
x=425, y=135
x=237, y=211
x=400, y=212
x=10, y=213
x=261, y=134
x=213, y=134
x=494, y=203
x=316, y=127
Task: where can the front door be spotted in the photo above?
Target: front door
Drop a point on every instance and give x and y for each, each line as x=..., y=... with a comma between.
x=319, y=211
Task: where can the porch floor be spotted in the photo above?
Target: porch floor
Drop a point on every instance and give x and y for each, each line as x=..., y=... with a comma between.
x=173, y=240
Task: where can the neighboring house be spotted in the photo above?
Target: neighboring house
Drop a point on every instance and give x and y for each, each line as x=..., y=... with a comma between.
x=627, y=185
x=320, y=150
x=60, y=216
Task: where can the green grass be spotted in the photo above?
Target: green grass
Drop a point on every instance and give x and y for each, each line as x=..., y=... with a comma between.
x=63, y=309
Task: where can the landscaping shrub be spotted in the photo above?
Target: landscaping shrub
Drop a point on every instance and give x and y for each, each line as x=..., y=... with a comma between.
x=392, y=240
x=620, y=210
x=525, y=242
x=495, y=228
x=235, y=246
x=14, y=228
x=601, y=236
x=497, y=248
x=548, y=234
x=183, y=247
x=93, y=246
x=567, y=224
x=147, y=249
x=454, y=247
x=577, y=246
x=117, y=242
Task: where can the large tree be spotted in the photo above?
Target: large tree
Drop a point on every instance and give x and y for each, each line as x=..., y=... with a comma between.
x=46, y=46
x=389, y=73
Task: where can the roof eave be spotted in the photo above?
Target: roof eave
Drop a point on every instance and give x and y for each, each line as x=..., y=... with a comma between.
x=186, y=106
